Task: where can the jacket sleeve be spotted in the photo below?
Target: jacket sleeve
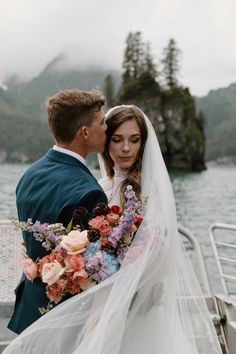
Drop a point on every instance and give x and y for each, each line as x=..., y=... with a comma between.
x=88, y=200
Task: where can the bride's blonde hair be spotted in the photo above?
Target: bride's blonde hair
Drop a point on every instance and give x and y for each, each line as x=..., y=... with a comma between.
x=114, y=119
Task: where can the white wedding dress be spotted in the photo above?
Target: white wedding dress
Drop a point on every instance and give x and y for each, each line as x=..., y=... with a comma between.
x=155, y=320
x=152, y=305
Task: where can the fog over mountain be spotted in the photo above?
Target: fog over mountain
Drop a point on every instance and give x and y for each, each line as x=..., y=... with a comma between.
x=94, y=32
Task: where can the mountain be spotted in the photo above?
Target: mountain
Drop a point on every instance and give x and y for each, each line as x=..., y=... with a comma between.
x=219, y=110
x=24, y=133
x=55, y=77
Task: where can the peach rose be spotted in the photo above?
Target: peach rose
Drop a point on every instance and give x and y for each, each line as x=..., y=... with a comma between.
x=29, y=268
x=86, y=283
x=133, y=228
x=81, y=274
x=75, y=242
x=51, y=272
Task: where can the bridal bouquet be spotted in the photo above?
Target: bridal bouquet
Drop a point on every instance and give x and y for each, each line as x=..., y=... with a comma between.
x=84, y=253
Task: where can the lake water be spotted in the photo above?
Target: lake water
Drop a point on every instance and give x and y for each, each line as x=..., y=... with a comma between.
x=201, y=199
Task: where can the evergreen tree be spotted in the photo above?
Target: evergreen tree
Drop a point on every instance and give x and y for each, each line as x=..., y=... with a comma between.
x=109, y=90
x=171, y=64
x=139, y=69
x=138, y=55
x=133, y=63
x=149, y=66
x=127, y=63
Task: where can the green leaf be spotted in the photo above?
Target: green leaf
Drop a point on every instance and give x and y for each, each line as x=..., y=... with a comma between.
x=69, y=226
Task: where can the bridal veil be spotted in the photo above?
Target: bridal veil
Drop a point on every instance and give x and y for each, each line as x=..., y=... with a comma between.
x=153, y=305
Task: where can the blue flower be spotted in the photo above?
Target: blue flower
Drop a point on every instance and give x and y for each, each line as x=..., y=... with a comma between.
x=111, y=263
x=92, y=249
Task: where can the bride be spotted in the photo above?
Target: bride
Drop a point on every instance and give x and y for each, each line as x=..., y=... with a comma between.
x=154, y=303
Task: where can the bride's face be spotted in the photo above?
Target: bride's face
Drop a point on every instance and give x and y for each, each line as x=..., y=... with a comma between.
x=125, y=144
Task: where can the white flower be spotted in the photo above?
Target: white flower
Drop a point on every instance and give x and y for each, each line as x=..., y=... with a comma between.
x=51, y=272
x=75, y=242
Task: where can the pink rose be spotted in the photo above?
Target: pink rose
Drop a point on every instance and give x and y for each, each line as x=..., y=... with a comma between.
x=75, y=265
x=73, y=285
x=51, y=272
x=29, y=268
x=55, y=291
x=76, y=262
x=96, y=222
x=105, y=229
x=101, y=224
x=75, y=242
x=112, y=218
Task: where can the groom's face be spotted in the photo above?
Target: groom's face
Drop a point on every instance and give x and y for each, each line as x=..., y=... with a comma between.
x=97, y=132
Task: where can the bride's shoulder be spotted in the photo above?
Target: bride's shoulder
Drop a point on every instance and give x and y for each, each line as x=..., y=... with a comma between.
x=106, y=183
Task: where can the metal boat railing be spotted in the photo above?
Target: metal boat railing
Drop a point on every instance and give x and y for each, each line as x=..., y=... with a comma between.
x=220, y=260
x=211, y=301
x=199, y=259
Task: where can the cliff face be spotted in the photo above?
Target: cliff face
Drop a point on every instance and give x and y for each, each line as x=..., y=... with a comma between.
x=178, y=127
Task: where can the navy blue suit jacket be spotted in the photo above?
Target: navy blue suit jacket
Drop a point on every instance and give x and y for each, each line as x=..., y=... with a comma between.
x=49, y=191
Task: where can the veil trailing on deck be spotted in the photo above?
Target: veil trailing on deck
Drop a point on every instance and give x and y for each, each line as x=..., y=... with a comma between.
x=153, y=304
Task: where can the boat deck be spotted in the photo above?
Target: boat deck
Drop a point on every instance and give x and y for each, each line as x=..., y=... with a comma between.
x=10, y=273
x=10, y=258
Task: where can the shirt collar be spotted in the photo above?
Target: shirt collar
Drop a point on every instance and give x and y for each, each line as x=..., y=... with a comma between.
x=71, y=153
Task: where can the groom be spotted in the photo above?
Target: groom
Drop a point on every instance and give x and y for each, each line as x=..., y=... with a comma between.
x=55, y=185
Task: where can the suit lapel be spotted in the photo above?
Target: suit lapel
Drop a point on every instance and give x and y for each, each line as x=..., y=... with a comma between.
x=66, y=159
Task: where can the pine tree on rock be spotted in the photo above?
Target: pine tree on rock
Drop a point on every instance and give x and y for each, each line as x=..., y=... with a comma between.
x=171, y=64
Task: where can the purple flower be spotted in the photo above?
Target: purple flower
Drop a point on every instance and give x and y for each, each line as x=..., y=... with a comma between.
x=128, y=218
x=95, y=266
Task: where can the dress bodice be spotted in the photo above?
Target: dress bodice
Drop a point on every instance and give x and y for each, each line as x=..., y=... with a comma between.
x=111, y=186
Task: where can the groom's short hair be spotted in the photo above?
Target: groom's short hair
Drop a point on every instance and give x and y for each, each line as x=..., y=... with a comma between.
x=71, y=109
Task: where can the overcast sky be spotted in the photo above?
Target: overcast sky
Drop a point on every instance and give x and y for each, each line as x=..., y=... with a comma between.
x=94, y=32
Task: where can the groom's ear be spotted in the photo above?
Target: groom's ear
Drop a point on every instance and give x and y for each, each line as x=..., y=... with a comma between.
x=84, y=132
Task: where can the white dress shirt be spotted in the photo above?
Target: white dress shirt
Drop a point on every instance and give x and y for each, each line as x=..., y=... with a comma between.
x=71, y=153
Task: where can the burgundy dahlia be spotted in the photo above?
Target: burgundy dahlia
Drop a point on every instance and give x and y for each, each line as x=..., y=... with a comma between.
x=80, y=216
x=93, y=235
x=101, y=209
